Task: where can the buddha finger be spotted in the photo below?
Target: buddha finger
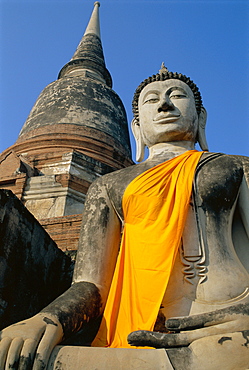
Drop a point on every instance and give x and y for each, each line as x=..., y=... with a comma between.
x=4, y=347
x=186, y=337
x=144, y=338
x=27, y=354
x=51, y=337
x=207, y=319
x=14, y=353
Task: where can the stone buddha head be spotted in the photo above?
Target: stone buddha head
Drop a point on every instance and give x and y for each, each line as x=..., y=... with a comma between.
x=167, y=107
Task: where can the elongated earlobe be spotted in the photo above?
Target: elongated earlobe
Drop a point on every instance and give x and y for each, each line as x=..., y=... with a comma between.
x=201, y=134
x=140, y=146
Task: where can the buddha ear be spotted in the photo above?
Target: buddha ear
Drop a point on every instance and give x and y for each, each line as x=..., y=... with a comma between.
x=201, y=134
x=135, y=126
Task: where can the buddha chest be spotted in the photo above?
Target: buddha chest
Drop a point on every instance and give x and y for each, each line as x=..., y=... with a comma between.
x=217, y=183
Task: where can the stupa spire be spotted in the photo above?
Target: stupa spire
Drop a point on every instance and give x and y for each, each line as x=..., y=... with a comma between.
x=93, y=25
x=89, y=56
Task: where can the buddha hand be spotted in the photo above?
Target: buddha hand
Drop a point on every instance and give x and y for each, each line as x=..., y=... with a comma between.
x=184, y=330
x=29, y=342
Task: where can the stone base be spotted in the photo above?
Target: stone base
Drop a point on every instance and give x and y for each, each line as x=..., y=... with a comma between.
x=93, y=358
x=228, y=351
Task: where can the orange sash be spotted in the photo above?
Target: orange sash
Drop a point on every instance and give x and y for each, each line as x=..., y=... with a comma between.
x=155, y=206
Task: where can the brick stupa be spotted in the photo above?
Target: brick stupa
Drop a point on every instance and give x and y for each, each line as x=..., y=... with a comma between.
x=76, y=131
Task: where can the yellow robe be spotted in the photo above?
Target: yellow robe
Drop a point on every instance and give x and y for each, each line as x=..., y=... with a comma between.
x=155, y=206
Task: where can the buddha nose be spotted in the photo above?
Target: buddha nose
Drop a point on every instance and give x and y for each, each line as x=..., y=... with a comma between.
x=166, y=105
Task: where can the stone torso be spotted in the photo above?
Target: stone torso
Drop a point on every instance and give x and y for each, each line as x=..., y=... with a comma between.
x=208, y=273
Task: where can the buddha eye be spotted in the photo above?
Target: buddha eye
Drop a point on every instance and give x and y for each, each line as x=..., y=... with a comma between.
x=151, y=98
x=177, y=96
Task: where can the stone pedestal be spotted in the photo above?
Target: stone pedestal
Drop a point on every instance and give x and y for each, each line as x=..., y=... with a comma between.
x=92, y=358
x=223, y=352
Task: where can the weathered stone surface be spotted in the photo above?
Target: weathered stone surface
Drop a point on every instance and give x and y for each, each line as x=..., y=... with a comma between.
x=224, y=352
x=33, y=270
x=80, y=102
x=78, y=328
x=61, y=187
x=89, y=55
x=71, y=358
x=82, y=97
x=53, y=196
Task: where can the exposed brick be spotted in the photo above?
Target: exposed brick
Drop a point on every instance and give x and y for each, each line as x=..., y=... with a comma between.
x=64, y=230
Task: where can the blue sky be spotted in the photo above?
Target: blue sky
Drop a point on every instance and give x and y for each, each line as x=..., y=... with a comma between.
x=206, y=40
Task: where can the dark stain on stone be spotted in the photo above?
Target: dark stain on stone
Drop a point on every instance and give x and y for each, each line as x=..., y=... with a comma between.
x=160, y=323
x=180, y=358
x=104, y=217
x=40, y=363
x=224, y=339
x=59, y=365
x=245, y=334
x=49, y=321
x=25, y=362
x=19, y=324
x=14, y=365
x=85, y=302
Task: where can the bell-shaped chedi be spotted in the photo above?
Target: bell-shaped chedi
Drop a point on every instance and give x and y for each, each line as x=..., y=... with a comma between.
x=76, y=131
x=80, y=111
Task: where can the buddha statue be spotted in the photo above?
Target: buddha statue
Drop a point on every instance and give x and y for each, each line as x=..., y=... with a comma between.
x=163, y=249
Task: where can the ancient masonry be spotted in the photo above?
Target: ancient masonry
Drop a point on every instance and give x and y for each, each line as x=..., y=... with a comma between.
x=76, y=131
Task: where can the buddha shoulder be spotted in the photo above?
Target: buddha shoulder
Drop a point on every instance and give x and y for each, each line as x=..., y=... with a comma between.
x=218, y=165
x=118, y=180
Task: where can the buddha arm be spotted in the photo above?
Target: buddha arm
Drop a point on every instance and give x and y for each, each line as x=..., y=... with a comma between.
x=83, y=301
x=243, y=200
x=96, y=259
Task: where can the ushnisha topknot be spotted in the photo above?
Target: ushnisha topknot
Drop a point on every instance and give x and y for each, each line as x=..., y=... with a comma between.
x=163, y=75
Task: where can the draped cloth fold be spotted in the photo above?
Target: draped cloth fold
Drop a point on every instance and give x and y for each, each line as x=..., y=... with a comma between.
x=155, y=206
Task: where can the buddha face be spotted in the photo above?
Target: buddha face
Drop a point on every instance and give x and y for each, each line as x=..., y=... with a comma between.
x=167, y=112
